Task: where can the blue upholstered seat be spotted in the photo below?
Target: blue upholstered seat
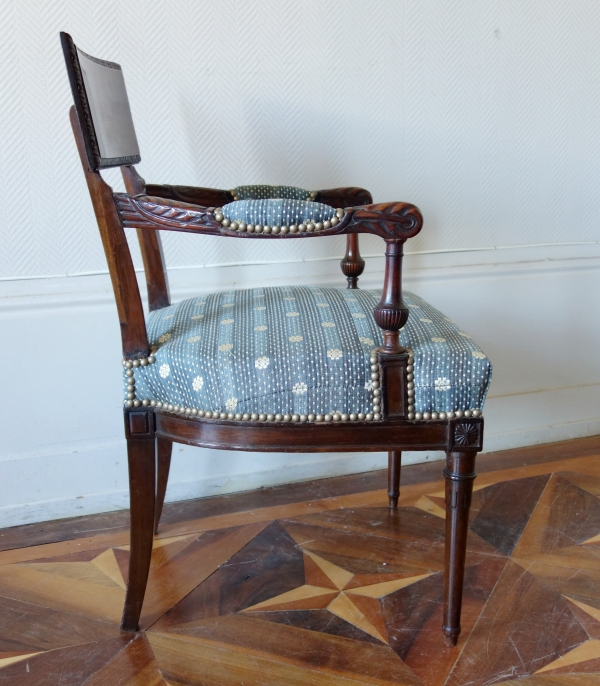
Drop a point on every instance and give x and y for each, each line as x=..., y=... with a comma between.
x=278, y=352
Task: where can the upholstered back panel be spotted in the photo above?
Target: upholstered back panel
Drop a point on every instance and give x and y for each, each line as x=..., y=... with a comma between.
x=103, y=108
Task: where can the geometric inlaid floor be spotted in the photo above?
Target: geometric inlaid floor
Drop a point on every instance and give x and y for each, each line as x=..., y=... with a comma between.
x=336, y=591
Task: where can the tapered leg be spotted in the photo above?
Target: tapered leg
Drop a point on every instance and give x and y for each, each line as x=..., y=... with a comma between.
x=459, y=474
x=142, y=471
x=163, y=462
x=394, y=459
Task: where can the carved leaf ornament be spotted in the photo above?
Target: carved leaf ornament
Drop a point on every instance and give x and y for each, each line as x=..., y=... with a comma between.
x=145, y=211
x=390, y=220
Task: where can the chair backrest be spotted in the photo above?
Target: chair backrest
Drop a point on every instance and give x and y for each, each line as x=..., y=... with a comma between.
x=102, y=107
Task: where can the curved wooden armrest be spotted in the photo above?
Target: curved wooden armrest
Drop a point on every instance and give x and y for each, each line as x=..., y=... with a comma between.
x=391, y=221
x=205, y=197
x=215, y=197
x=344, y=197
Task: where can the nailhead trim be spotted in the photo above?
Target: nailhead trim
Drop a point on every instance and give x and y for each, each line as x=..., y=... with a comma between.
x=306, y=227
x=131, y=400
x=333, y=416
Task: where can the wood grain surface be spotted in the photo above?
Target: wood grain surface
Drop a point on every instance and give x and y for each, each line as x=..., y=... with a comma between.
x=335, y=589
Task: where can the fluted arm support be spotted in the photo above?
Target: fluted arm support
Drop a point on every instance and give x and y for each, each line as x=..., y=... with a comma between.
x=391, y=313
x=394, y=361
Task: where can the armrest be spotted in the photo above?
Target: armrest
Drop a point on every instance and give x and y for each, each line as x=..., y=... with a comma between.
x=344, y=197
x=391, y=221
x=205, y=197
x=215, y=197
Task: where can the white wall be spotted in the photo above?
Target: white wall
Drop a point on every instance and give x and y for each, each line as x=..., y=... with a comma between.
x=484, y=113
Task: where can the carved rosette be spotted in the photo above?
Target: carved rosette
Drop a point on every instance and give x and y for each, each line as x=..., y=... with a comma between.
x=467, y=434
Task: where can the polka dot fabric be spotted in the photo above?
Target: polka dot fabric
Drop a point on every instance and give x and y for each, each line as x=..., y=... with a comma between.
x=277, y=212
x=270, y=192
x=301, y=350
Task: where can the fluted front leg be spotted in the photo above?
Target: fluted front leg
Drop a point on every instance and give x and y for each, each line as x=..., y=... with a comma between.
x=459, y=474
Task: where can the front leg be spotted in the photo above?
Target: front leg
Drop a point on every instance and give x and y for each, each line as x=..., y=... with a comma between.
x=394, y=465
x=459, y=474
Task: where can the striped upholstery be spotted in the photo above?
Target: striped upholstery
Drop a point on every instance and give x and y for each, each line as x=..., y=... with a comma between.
x=301, y=350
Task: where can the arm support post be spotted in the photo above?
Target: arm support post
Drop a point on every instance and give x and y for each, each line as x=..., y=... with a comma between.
x=353, y=264
x=391, y=313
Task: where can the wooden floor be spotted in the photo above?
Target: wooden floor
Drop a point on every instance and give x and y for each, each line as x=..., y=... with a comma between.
x=319, y=583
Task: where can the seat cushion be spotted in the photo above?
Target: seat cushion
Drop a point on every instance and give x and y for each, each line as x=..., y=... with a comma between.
x=302, y=351
x=271, y=192
x=279, y=213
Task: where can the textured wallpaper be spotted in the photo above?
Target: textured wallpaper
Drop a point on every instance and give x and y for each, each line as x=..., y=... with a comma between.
x=485, y=113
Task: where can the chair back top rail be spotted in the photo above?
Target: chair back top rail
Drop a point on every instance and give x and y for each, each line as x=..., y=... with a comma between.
x=103, y=107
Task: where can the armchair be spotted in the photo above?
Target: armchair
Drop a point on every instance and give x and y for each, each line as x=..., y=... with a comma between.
x=287, y=369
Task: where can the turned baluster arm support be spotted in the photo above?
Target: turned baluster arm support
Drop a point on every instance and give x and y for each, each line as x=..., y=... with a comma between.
x=352, y=264
x=391, y=313
x=393, y=360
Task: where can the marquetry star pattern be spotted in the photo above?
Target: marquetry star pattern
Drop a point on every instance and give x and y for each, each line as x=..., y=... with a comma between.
x=355, y=589
x=353, y=598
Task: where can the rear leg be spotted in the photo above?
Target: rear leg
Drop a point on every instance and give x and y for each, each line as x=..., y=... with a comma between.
x=164, y=449
x=142, y=471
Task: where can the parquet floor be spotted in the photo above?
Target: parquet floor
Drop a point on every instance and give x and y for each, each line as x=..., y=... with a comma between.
x=333, y=590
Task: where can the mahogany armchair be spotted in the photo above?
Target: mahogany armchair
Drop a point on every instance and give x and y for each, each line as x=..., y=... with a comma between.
x=296, y=368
